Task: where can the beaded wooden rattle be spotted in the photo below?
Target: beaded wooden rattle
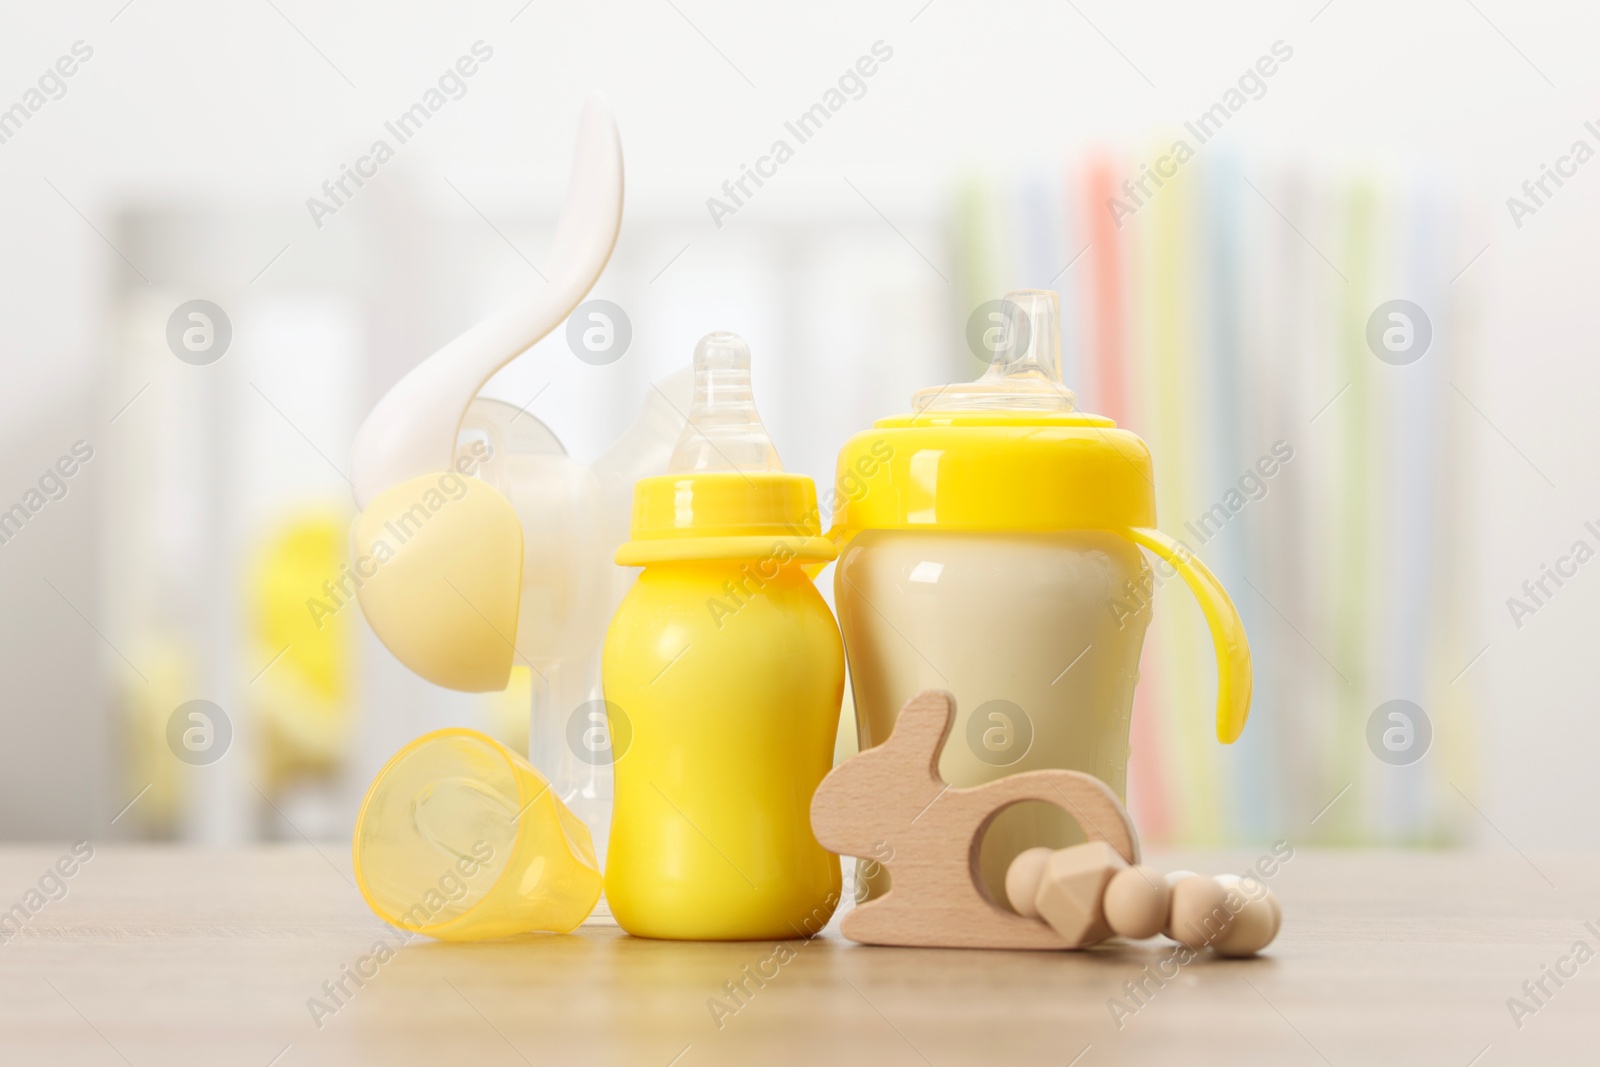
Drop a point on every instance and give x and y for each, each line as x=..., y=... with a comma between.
x=1087, y=893
x=890, y=801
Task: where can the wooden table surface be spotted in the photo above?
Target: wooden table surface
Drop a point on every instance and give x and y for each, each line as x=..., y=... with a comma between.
x=161, y=955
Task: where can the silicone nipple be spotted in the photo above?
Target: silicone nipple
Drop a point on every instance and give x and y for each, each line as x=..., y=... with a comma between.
x=724, y=431
x=1023, y=345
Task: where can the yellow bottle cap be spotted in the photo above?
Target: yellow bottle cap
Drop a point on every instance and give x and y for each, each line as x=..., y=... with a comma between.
x=725, y=515
x=726, y=495
x=459, y=838
x=996, y=470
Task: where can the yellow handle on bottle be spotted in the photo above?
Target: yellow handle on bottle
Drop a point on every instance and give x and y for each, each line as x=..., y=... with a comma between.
x=1234, y=677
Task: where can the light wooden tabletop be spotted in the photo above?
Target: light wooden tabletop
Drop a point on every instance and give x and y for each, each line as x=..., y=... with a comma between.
x=183, y=956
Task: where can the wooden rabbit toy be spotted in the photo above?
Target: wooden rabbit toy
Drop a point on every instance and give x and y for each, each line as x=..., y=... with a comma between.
x=893, y=795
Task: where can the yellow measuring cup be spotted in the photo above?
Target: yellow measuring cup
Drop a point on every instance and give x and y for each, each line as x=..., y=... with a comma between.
x=459, y=838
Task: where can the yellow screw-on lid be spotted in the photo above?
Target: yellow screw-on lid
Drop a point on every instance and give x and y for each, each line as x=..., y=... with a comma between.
x=726, y=495
x=725, y=515
x=1009, y=451
x=996, y=470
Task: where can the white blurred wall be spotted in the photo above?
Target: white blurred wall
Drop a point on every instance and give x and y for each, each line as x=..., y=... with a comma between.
x=199, y=103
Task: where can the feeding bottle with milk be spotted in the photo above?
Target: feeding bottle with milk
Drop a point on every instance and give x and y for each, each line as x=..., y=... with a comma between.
x=988, y=541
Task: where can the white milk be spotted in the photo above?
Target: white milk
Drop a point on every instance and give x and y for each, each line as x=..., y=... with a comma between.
x=1036, y=634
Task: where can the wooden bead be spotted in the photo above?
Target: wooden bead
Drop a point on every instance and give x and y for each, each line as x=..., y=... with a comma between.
x=1022, y=880
x=1136, y=902
x=1199, y=913
x=1070, y=892
x=1256, y=918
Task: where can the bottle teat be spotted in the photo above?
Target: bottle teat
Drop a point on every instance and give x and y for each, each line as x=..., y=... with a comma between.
x=1022, y=341
x=725, y=432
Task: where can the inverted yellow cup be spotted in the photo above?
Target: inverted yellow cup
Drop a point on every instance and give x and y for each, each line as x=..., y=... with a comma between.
x=459, y=838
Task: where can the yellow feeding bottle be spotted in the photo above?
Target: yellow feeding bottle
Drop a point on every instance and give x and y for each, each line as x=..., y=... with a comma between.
x=723, y=673
x=990, y=544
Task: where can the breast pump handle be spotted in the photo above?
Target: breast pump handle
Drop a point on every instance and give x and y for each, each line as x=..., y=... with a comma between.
x=412, y=430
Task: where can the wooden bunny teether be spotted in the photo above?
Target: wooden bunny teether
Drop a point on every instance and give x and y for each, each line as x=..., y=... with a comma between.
x=891, y=799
